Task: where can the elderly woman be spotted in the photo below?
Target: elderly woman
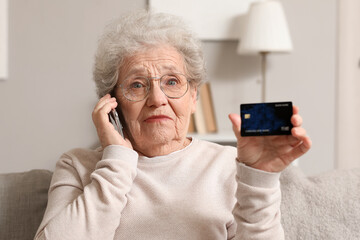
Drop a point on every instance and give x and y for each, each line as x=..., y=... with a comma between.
x=156, y=183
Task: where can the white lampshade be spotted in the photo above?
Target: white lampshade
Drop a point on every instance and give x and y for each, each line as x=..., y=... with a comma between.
x=265, y=30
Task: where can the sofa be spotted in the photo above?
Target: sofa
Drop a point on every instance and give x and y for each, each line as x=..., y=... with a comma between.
x=23, y=198
x=325, y=206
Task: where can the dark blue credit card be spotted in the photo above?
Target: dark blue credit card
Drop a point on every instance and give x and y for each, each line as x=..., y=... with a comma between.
x=265, y=119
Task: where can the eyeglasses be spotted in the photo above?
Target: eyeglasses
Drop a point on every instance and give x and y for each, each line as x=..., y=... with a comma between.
x=137, y=88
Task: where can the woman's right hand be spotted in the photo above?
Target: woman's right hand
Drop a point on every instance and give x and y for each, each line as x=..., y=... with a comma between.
x=105, y=130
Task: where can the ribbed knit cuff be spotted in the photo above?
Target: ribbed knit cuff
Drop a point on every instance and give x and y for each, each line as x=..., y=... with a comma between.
x=257, y=178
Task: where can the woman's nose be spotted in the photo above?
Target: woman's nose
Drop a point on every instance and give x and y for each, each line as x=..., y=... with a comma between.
x=156, y=96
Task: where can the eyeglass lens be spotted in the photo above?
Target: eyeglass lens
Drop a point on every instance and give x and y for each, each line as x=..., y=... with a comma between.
x=137, y=88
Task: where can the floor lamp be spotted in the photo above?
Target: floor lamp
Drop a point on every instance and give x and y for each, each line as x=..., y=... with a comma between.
x=265, y=31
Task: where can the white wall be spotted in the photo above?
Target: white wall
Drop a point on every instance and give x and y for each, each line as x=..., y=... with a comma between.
x=307, y=77
x=348, y=87
x=46, y=104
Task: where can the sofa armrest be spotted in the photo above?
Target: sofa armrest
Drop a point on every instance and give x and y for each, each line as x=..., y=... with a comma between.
x=23, y=199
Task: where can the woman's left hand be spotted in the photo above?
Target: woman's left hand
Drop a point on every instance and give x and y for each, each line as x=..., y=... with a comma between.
x=271, y=153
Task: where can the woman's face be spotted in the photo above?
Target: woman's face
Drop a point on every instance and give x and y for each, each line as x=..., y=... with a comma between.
x=157, y=124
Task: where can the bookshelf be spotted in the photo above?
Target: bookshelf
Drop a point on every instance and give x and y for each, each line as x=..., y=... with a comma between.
x=203, y=124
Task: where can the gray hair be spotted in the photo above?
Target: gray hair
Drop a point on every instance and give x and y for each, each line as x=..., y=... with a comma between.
x=135, y=32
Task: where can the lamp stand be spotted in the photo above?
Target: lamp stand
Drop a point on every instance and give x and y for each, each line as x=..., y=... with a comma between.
x=263, y=75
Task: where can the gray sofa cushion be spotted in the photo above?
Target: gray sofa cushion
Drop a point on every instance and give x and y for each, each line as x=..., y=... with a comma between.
x=23, y=199
x=325, y=206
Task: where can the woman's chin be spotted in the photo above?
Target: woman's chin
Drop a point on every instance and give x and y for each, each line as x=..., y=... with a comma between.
x=157, y=135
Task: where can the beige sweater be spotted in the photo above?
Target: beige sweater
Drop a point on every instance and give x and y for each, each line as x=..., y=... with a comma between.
x=199, y=192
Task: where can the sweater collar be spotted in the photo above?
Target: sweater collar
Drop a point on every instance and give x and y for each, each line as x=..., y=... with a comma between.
x=174, y=155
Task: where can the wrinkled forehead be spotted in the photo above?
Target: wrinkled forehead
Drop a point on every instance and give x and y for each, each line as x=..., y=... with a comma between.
x=154, y=61
x=144, y=70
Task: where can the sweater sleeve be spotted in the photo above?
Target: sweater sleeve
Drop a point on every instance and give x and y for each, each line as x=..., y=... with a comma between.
x=78, y=212
x=257, y=210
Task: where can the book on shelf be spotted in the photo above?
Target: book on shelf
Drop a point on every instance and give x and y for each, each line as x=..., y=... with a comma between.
x=192, y=124
x=204, y=116
x=199, y=119
x=208, y=108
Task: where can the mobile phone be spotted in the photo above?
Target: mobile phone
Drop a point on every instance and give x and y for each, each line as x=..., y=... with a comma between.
x=114, y=119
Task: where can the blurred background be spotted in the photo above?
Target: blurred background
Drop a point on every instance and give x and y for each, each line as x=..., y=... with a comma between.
x=48, y=96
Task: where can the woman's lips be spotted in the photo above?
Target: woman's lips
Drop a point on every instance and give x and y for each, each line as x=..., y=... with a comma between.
x=157, y=118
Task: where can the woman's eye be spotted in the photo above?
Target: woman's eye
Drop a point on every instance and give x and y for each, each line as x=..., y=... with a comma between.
x=136, y=85
x=172, y=81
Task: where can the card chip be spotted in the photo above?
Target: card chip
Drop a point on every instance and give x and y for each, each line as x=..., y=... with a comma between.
x=247, y=116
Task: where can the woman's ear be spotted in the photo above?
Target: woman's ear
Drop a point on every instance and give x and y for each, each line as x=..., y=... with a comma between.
x=193, y=99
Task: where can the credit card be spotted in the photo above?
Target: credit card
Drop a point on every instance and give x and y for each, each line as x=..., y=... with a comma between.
x=265, y=119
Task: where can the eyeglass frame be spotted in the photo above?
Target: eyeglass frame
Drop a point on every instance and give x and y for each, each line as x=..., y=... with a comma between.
x=161, y=88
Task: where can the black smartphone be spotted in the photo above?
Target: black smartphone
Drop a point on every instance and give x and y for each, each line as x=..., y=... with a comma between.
x=117, y=119
x=114, y=119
